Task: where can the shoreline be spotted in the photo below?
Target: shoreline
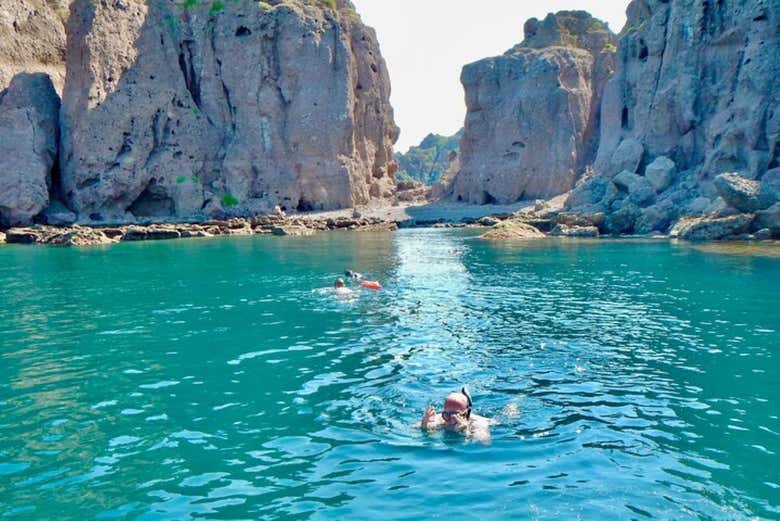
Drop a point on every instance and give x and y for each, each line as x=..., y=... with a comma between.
x=520, y=221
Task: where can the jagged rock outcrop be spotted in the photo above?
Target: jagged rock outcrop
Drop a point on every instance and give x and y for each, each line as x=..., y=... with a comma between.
x=512, y=230
x=187, y=109
x=428, y=161
x=29, y=115
x=696, y=94
x=532, y=120
x=712, y=228
x=32, y=39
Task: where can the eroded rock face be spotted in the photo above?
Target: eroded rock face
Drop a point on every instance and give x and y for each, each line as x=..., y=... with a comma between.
x=32, y=39
x=532, y=120
x=695, y=94
x=29, y=113
x=175, y=110
x=697, y=82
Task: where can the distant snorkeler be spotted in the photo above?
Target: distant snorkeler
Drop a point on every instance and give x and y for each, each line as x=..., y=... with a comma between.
x=457, y=416
x=353, y=275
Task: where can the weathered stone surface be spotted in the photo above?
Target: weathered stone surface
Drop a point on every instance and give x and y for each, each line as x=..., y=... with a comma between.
x=622, y=220
x=711, y=229
x=595, y=194
x=56, y=214
x=293, y=231
x=79, y=236
x=697, y=82
x=22, y=236
x=29, y=114
x=32, y=39
x=627, y=157
x=769, y=218
x=532, y=117
x=743, y=194
x=580, y=219
x=2, y=238
x=512, y=229
x=174, y=110
x=639, y=189
x=412, y=191
x=652, y=219
x=660, y=173
x=770, y=184
x=562, y=230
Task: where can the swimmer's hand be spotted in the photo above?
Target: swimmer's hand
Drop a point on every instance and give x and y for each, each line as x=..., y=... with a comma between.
x=430, y=418
x=461, y=423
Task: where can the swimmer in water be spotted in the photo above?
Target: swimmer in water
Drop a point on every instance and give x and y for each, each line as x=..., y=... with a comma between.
x=341, y=289
x=457, y=416
x=353, y=275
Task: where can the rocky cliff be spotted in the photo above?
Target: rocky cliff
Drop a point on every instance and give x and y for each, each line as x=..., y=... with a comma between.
x=696, y=94
x=533, y=113
x=32, y=39
x=29, y=114
x=194, y=109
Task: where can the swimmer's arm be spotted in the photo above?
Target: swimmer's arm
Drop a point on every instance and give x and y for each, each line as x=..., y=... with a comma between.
x=480, y=429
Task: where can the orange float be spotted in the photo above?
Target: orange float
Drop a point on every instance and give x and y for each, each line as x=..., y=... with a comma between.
x=371, y=284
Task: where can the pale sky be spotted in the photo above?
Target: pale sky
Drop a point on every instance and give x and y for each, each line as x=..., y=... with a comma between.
x=426, y=43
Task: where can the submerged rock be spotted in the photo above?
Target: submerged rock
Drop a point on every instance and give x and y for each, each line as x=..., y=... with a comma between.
x=29, y=114
x=532, y=119
x=192, y=110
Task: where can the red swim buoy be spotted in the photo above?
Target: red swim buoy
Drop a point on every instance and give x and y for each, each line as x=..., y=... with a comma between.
x=371, y=284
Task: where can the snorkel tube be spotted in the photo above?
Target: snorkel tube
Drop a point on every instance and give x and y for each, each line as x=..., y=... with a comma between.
x=465, y=392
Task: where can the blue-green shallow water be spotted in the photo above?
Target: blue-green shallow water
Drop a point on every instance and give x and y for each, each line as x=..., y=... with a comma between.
x=212, y=380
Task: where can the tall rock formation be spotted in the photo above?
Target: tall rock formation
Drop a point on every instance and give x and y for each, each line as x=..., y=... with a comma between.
x=32, y=39
x=532, y=120
x=696, y=94
x=29, y=114
x=199, y=108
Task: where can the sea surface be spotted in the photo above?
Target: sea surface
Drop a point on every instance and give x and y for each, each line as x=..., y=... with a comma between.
x=221, y=379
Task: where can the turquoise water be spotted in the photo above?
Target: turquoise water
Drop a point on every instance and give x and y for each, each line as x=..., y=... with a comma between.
x=214, y=379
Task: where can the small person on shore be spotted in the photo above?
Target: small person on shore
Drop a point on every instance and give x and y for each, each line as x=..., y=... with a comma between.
x=279, y=211
x=457, y=416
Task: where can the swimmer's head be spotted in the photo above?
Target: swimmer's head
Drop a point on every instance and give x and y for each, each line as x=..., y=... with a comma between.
x=456, y=405
x=339, y=283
